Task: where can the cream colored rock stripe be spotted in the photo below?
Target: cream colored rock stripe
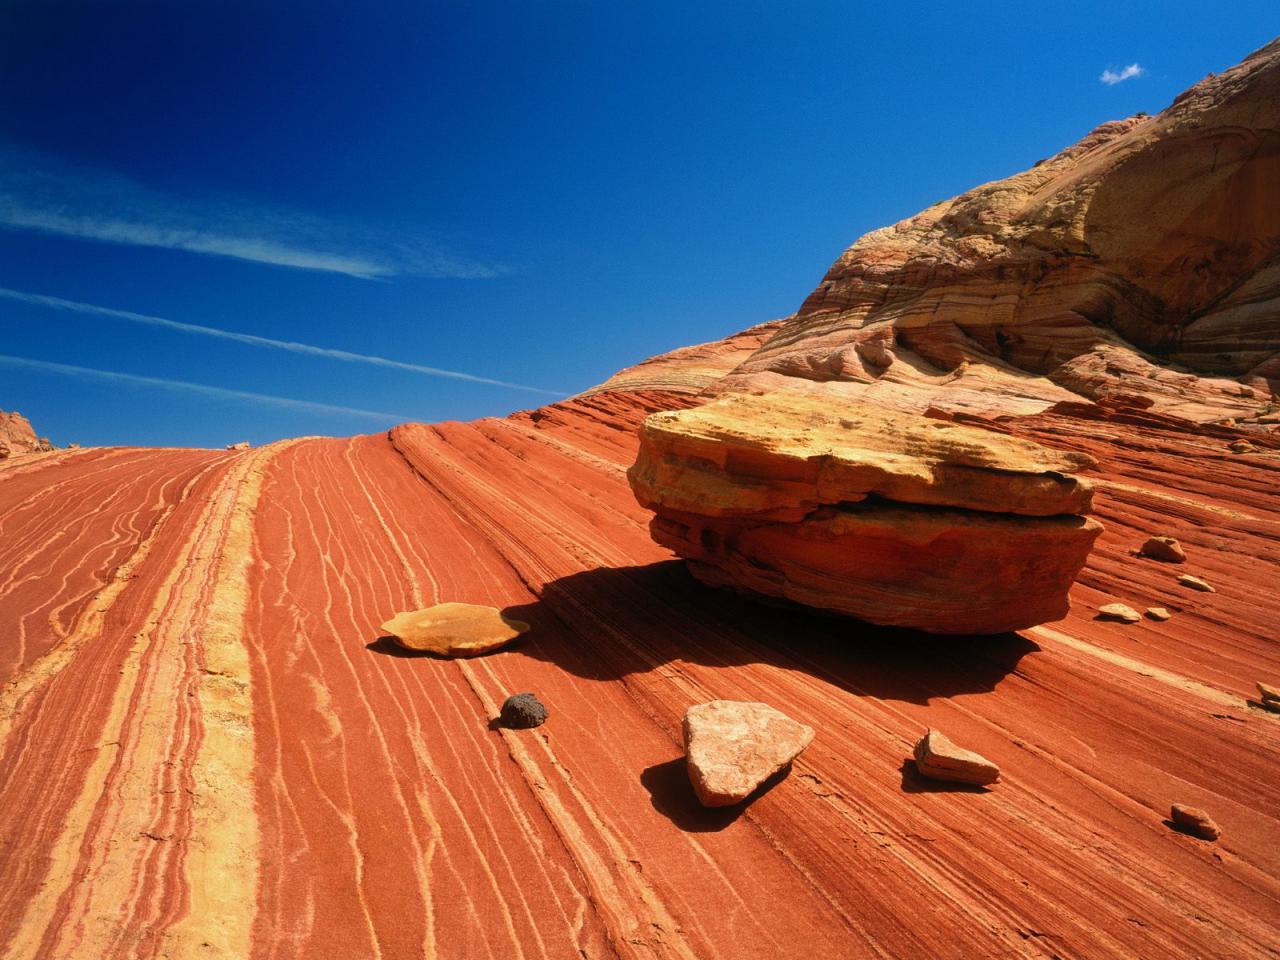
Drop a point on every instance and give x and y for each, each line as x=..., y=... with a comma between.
x=110, y=825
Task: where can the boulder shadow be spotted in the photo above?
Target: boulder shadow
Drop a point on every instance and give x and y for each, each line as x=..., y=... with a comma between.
x=388, y=647
x=672, y=795
x=913, y=781
x=612, y=622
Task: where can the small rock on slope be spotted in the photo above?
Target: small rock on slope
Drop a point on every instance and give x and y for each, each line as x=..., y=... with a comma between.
x=1195, y=821
x=732, y=747
x=1195, y=583
x=1165, y=549
x=1119, y=611
x=1269, y=693
x=1158, y=613
x=940, y=759
x=454, y=629
x=523, y=711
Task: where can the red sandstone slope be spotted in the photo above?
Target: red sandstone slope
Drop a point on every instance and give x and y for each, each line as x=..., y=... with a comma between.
x=208, y=752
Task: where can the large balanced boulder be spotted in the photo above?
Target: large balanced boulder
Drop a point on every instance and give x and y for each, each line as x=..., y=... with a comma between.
x=890, y=517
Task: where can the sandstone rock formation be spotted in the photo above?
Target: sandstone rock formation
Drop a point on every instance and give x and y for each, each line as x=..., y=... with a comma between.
x=346, y=802
x=198, y=757
x=939, y=759
x=454, y=629
x=17, y=436
x=895, y=519
x=1159, y=613
x=731, y=748
x=1145, y=259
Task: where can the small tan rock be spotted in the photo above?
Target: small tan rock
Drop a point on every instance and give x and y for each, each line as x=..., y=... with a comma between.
x=454, y=629
x=1158, y=613
x=1242, y=446
x=1195, y=822
x=940, y=759
x=1119, y=611
x=1269, y=693
x=1164, y=549
x=732, y=747
x=1195, y=583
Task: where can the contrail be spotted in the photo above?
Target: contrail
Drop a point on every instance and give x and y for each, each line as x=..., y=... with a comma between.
x=57, y=303
x=220, y=392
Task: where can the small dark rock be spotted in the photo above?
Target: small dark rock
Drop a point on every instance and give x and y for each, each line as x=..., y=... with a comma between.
x=523, y=711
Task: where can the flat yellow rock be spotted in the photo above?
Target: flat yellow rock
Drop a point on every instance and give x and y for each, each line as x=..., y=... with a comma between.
x=454, y=629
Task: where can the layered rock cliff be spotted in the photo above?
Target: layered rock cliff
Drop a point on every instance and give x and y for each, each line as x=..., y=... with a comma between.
x=1145, y=259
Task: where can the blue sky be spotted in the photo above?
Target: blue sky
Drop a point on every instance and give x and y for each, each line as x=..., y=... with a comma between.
x=527, y=195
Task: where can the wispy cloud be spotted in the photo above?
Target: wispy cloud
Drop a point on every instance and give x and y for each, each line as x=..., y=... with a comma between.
x=40, y=194
x=1112, y=77
x=221, y=393
x=57, y=303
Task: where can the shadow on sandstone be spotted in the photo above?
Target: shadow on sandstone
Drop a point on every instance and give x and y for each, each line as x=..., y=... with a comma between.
x=672, y=795
x=387, y=646
x=609, y=623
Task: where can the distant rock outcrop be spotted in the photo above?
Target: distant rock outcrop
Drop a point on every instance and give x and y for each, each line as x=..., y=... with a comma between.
x=17, y=436
x=896, y=519
x=1144, y=259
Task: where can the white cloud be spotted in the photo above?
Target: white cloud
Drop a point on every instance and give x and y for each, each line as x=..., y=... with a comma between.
x=1112, y=77
x=221, y=393
x=72, y=306
x=43, y=195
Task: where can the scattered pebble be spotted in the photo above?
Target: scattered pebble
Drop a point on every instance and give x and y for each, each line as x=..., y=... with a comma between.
x=940, y=759
x=1195, y=583
x=454, y=629
x=1165, y=549
x=1158, y=613
x=1119, y=611
x=1242, y=446
x=732, y=747
x=522, y=711
x=1195, y=822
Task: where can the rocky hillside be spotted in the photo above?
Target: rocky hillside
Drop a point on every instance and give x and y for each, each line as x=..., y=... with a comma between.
x=208, y=750
x=1143, y=260
x=17, y=436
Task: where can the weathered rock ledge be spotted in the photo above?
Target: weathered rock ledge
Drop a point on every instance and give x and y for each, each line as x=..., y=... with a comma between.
x=893, y=518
